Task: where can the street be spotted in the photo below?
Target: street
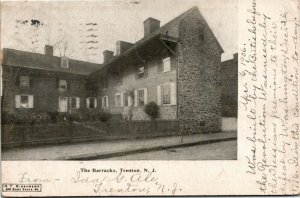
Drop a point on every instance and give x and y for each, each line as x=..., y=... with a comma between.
x=226, y=150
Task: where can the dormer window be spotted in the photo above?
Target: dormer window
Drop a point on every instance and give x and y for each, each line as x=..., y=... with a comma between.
x=141, y=71
x=64, y=62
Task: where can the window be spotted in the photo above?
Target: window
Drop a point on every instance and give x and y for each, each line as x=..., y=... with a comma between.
x=126, y=99
x=140, y=97
x=104, y=83
x=24, y=101
x=166, y=64
x=118, y=100
x=166, y=94
x=91, y=103
x=64, y=62
x=24, y=81
x=141, y=101
x=92, y=87
x=63, y=84
x=105, y=102
x=118, y=77
x=74, y=102
x=141, y=71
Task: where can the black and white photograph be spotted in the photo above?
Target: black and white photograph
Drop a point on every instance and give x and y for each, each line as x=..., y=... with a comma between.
x=149, y=97
x=130, y=80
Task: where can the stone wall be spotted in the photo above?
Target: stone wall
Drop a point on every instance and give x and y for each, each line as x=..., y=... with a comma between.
x=199, y=107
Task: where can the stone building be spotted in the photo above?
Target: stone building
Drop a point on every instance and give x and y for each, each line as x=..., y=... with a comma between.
x=176, y=65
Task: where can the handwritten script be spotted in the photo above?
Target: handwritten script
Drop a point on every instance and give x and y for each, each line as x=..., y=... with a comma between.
x=113, y=181
x=269, y=98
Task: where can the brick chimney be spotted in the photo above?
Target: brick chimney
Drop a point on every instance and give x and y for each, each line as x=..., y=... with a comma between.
x=107, y=56
x=48, y=50
x=150, y=25
x=122, y=46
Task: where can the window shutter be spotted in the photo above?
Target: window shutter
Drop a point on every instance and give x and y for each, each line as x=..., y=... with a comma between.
x=77, y=103
x=102, y=102
x=122, y=99
x=159, y=95
x=30, y=101
x=95, y=102
x=135, y=98
x=145, y=96
x=87, y=102
x=173, y=93
x=17, y=101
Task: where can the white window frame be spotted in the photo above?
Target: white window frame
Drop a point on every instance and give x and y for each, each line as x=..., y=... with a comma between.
x=18, y=101
x=173, y=94
x=60, y=82
x=77, y=104
x=27, y=81
x=118, y=103
x=88, y=102
x=128, y=99
x=65, y=60
x=166, y=62
x=139, y=72
x=67, y=105
x=105, y=102
x=136, y=97
x=162, y=94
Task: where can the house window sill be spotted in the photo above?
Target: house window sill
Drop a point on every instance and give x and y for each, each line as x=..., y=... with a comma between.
x=168, y=105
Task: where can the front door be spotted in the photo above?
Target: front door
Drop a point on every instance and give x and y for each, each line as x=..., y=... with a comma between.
x=63, y=104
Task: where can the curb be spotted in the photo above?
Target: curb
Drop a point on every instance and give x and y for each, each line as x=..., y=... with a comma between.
x=94, y=156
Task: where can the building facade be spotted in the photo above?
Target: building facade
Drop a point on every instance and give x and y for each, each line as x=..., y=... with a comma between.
x=176, y=65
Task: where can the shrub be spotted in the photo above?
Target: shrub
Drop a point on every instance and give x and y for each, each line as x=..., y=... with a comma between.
x=152, y=109
x=104, y=116
x=53, y=116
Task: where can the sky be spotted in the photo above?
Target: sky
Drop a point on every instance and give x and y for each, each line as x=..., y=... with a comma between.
x=82, y=30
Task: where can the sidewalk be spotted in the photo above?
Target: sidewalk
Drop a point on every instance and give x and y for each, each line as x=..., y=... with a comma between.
x=111, y=148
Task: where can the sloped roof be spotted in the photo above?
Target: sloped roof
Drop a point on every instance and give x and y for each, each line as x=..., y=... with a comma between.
x=32, y=60
x=156, y=33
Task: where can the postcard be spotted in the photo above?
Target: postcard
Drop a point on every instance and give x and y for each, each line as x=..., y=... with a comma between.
x=150, y=97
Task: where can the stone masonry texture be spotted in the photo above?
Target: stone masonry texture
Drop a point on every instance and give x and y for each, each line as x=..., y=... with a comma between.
x=199, y=107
